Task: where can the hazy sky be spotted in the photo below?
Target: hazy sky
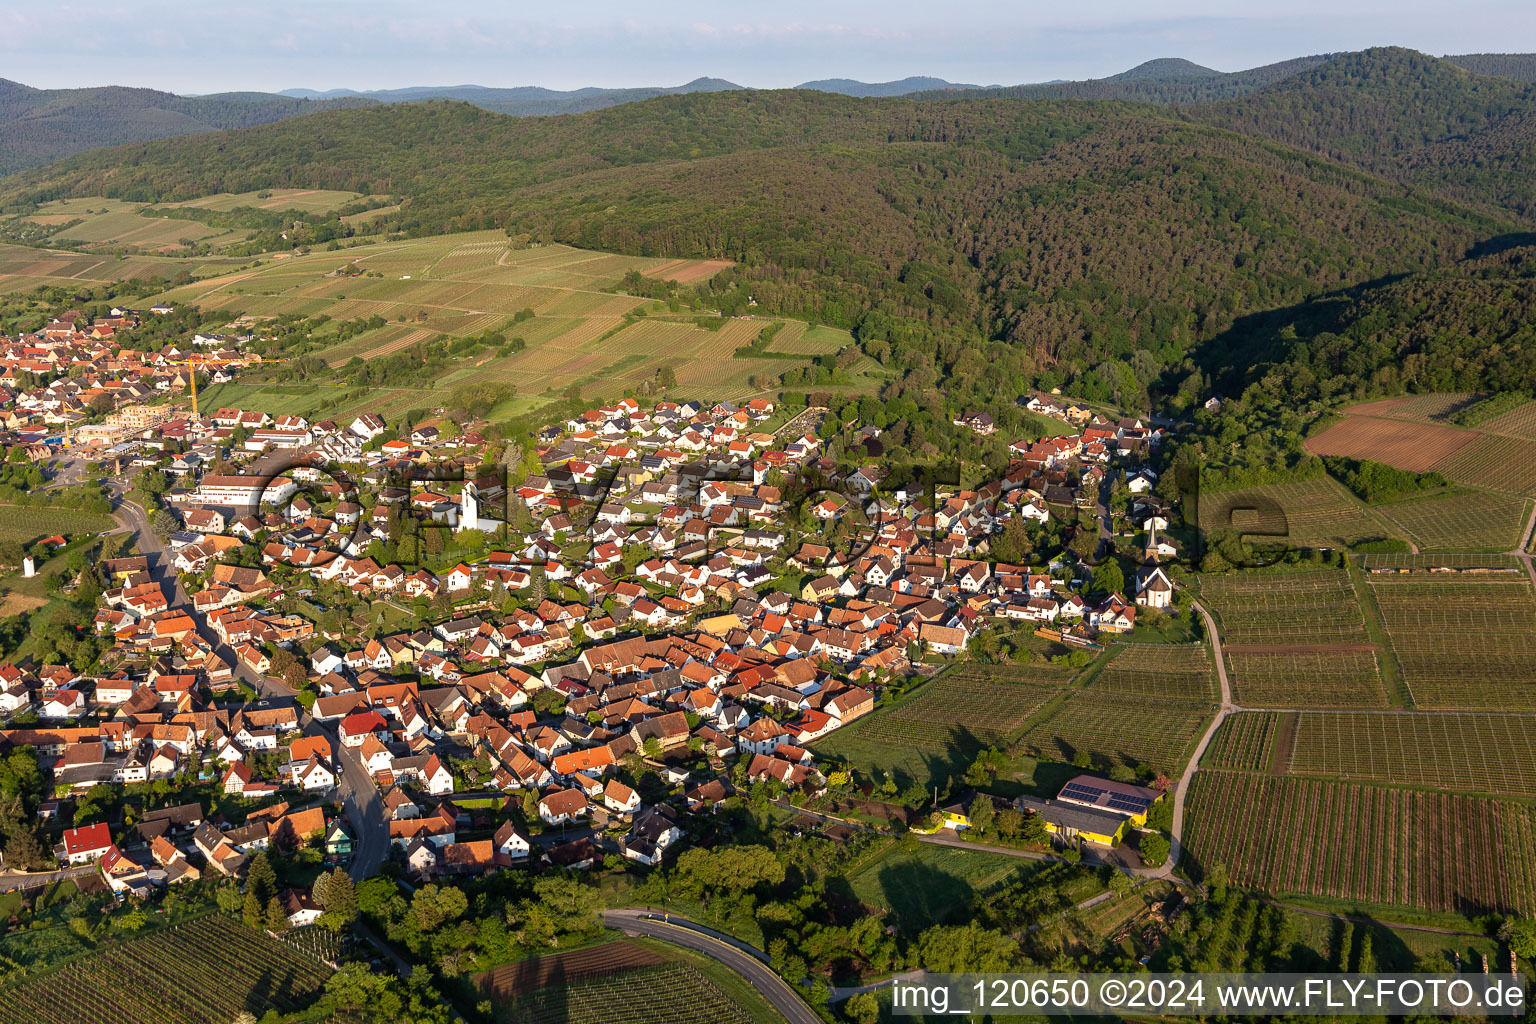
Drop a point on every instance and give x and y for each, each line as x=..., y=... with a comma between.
x=370, y=44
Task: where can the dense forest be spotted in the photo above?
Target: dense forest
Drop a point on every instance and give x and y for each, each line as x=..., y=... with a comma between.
x=1163, y=81
x=39, y=125
x=1354, y=227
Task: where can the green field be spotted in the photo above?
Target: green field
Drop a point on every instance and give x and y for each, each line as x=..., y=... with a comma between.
x=115, y=224
x=304, y=199
x=918, y=884
x=935, y=733
x=23, y=268
x=581, y=332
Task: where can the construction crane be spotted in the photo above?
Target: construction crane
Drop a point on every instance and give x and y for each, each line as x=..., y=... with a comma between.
x=193, y=364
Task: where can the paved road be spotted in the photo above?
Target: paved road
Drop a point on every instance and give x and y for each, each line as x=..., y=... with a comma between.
x=1181, y=788
x=359, y=796
x=10, y=880
x=738, y=956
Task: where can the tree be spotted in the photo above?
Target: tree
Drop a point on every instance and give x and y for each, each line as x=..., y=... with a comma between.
x=338, y=896
x=981, y=812
x=277, y=917
x=433, y=905
x=1108, y=577
x=1522, y=939
x=1154, y=850
x=862, y=1008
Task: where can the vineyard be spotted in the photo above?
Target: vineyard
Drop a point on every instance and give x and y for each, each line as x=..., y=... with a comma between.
x=27, y=523
x=1468, y=752
x=1304, y=607
x=1475, y=520
x=1424, y=563
x=203, y=972
x=1463, y=643
x=1115, y=730
x=674, y=994
x=1432, y=408
x=593, y=985
x=930, y=734
x=1245, y=742
x=1371, y=844
x=1316, y=513
x=471, y=282
x=1159, y=670
x=1520, y=422
x=578, y=965
x=1493, y=461
x=1337, y=677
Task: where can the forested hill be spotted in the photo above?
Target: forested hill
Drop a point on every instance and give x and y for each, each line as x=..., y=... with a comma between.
x=1401, y=114
x=1519, y=66
x=1125, y=251
x=40, y=125
x=1162, y=81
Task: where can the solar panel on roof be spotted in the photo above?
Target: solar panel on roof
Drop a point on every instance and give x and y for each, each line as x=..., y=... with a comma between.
x=1123, y=803
x=1078, y=791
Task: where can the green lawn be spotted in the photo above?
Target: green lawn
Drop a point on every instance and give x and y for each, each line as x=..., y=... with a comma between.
x=919, y=884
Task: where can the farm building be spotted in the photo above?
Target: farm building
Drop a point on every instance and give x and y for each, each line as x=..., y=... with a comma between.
x=1134, y=802
x=1073, y=821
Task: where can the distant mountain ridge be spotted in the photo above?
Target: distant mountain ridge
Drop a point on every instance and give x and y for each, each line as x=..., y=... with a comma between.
x=534, y=101
x=38, y=126
x=1519, y=66
x=1162, y=69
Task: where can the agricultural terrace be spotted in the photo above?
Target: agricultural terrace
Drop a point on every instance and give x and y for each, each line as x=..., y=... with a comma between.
x=1433, y=408
x=1462, y=642
x=1468, y=752
x=1405, y=444
x=305, y=200
x=1470, y=521
x=1518, y=422
x=936, y=733
x=1414, y=433
x=584, y=986
x=1159, y=670
x=23, y=268
x=204, y=972
x=1285, y=607
x=1336, y=676
x=1368, y=844
x=580, y=332
x=1316, y=513
x=1493, y=461
x=1404, y=562
x=92, y=222
x=1119, y=730
x=27, y=523
x=1245, y=742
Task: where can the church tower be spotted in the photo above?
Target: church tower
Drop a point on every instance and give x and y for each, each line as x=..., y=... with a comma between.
x=469, y=508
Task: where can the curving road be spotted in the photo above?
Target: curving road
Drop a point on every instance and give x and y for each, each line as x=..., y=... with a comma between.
x=736, y=955
x=1181, y=788
x=354, y=786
